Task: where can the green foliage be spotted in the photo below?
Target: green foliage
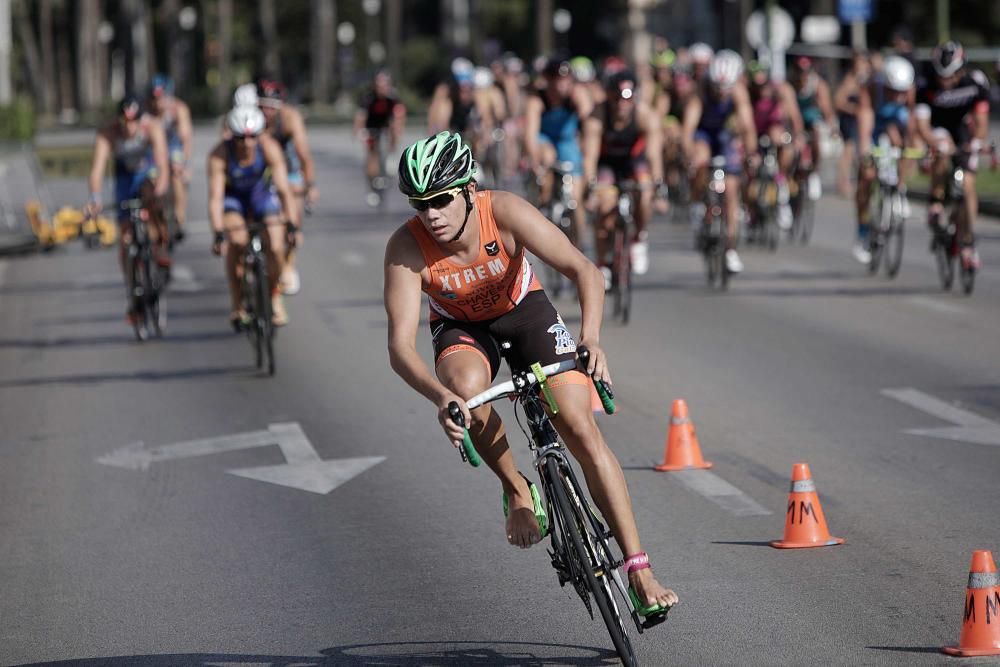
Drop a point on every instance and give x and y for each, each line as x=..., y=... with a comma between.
x=17, y=121
x=422, y=64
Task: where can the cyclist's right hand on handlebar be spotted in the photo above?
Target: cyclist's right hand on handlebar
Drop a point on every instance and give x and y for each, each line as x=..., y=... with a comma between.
x=452, y=429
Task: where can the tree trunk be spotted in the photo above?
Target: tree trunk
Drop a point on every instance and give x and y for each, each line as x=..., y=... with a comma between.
x=88, y=18
x=222, y=90
x=32, y=59
x=6, y=89
x=67, y=75
x=49, y=78
x=176, y=42
x=543, y=27
x=323, y=47
x=270, y=67
x=394, y=35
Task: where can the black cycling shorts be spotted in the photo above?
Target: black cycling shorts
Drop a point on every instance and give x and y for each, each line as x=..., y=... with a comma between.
x=534, y=329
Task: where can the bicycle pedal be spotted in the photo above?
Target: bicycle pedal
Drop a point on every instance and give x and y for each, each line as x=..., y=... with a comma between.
x=653, y=621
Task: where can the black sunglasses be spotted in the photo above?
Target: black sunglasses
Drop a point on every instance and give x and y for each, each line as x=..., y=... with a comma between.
x=437, y=202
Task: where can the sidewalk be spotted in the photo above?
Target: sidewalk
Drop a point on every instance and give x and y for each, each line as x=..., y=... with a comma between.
x=16, y=181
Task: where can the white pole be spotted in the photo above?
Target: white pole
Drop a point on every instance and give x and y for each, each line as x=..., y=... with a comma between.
x=6, y=91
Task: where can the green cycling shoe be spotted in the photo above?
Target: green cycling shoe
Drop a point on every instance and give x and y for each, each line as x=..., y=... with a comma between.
x=536, y=501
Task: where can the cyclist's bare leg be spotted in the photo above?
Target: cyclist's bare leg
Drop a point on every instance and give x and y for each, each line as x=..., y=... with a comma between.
x=732, y=203
x=548, y=158
x=372, y=166
x=157, y=220
x=124, y=240
x=863, y=194
x=236, y=233
x=579, y=214
x=607, y=198
x=606, y=482
x=940, y=173
x=298, y=210
x=971, y=208
x=275, y=249
x=180, y=196
x=701, y=155
x=465, y=373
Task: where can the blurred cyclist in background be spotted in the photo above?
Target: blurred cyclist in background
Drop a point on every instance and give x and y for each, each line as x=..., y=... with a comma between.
x=175, y=117
x=380, y=118
x=138, y=146
x=883, y=111
x=815, y=104
x=953, y=119
x=285, y=124
x=552, y=134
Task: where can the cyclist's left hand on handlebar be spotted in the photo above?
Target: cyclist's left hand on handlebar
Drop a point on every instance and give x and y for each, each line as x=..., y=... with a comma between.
x=291, y=229
x=217, y=242
x=597, y=365
x=454, y=431
x=312, y=195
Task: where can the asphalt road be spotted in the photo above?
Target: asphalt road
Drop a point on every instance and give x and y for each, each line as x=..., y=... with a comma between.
x=118, y=553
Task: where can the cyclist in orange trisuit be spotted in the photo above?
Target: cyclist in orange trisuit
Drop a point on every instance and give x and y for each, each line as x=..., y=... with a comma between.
x=467, y=251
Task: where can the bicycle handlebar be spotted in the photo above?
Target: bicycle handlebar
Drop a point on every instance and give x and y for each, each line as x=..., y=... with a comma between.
x=468, y=450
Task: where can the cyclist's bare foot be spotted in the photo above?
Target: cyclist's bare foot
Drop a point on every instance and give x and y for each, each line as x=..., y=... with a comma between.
x=649, y=590
x=279, y=316
x=522, y=526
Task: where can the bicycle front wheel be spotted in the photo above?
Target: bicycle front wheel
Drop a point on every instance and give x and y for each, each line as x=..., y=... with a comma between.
x=263, y=324
x=945, y=259
x=894, y=239
x=580, y=545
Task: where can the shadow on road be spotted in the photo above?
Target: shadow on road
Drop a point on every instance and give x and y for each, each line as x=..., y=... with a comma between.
x=908, y=649
x=404, y=654
x=745, y=543
x=104, y=318
x=134, y=376
x=125, y=338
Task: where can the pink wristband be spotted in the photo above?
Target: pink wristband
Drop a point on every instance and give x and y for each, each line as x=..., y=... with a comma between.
x=638, y=561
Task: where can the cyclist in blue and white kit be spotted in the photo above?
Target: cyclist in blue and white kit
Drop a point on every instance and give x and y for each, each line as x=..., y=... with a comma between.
x=138, y=147
x=175, y=116
x=718, y=121
x=883, y=109
x=552, y=133
x=248, y=181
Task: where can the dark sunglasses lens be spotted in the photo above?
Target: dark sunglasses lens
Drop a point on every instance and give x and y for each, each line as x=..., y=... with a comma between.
x=436, y=202
x=419, y=204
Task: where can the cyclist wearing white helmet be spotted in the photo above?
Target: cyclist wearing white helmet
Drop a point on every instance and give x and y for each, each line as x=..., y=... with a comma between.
x=461, y=106
x=884, y=106
x=248, y=181
x=245, y=96
x=714, y=122
x=701, y=55
x=953, y=117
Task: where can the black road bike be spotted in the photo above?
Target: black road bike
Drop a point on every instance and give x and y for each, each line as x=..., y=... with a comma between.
x=256, y=296
x=712, y=234
x=144, y=278
x=580, y=544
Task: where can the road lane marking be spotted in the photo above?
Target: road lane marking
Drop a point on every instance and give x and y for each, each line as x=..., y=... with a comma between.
x=720, y=492
x=970, y=426
x=182, y=279
x=936, y=305
x=303, y=468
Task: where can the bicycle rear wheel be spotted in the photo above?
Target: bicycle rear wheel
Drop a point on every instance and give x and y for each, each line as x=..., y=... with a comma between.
x=579, y=542
x=623, y=274
x=968, y=277
x=136, y=297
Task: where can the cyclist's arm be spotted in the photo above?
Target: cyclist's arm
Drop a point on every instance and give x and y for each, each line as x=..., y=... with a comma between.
x=692, y=116
x=582, y=100
x=744, y=109
x=593, y=128
x=184, y=129
x=922, y=114
x=825, y=106
x=547, y=242
x=161, y=158
x=866, y=121
x=102, y=151
x=216, y=187
x=842, y=98
x=981, y=120
x=662, y=104
x=297, y=128
x=439, y=111
x=533, y=126
x=654, y=141
x=397, y=122
x=279, y=174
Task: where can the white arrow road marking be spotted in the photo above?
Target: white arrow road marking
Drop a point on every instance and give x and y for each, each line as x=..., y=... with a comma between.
x=182, y=279
x=304, y=469
x=720, y=492
x=971, y=427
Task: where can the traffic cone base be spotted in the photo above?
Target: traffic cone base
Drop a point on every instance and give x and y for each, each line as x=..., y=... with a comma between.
x=805, y=525
x=980, y=629
x=682, y=451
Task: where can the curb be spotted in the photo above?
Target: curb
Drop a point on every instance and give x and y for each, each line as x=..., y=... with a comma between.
x=17, y=244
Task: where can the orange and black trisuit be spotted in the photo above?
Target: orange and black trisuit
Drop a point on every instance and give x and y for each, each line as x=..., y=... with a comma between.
x=496, y=297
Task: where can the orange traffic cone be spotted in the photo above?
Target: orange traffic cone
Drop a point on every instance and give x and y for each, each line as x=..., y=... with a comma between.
x=981, y=625
x=682, y=451
x=805, y=525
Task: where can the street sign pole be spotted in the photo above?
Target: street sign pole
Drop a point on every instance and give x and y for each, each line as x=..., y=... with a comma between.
x=943, y=27
x=859, y=38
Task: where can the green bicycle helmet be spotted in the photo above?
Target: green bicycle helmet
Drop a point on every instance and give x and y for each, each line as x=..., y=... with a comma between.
x=435, y=164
